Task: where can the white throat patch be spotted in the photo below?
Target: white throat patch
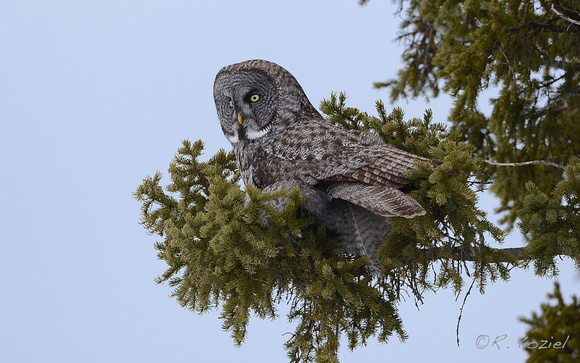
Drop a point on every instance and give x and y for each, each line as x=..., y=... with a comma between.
x=256, y=134
x=252, y=134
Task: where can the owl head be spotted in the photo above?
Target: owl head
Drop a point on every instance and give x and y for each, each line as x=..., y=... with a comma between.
x=256, y=98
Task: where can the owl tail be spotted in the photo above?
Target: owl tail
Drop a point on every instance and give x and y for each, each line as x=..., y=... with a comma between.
x=359, y=231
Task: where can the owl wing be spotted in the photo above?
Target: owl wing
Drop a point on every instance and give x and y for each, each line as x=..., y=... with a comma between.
x=382, y=200
x=355, y=166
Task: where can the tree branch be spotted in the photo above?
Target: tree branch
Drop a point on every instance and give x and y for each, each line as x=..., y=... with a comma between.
x=571, y=16
x=463, y=254
x=461, y=311
x=524, y=163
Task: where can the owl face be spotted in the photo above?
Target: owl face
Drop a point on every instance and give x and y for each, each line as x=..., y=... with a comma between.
x=246, y=103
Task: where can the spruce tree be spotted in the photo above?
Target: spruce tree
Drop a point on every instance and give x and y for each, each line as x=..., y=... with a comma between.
x=554, y=333
x=528, y=52
x=226, y=247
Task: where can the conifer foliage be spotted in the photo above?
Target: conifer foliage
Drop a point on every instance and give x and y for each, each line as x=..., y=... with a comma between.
x=554, y=333
x=528, y=53
x=227, y=248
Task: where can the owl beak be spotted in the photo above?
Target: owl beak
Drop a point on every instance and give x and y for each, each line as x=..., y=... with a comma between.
x=240, y=119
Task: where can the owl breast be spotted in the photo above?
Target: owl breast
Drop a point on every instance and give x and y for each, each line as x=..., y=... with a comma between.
x=246, y=153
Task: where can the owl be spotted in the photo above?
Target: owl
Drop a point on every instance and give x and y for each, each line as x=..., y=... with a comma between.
x=351, y=179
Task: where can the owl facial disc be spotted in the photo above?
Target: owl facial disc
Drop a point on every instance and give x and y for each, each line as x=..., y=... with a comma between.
x=247, y=101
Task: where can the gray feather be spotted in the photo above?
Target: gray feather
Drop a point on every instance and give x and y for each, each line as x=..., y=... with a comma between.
x=358, y=231
x=381, y=200
x=350, y=178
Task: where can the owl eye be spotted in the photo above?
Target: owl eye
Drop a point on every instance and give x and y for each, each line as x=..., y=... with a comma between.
x=231, y=103
x=255, y=97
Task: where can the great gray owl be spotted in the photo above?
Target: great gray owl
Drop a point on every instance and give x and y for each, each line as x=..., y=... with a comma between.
x=351, y=178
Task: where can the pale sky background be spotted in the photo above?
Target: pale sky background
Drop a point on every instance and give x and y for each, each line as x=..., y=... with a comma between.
x=95, y=95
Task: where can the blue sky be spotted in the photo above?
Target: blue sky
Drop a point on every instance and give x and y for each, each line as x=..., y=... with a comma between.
x=95, y=95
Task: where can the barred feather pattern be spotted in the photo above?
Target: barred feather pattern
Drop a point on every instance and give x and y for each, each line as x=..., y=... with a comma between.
x=351, y=178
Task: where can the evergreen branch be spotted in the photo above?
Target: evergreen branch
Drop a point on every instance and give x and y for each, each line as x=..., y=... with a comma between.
x=556, y=108
x=460, y=253
x=559, y=64
x=538, y=27
x=524, y=163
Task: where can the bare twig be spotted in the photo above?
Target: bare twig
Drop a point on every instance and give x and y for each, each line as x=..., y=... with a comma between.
x=532, y=162
x=461, y=310
x=566, y=13
x=508, y=63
